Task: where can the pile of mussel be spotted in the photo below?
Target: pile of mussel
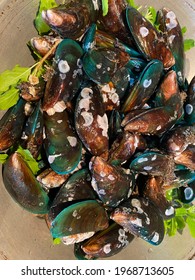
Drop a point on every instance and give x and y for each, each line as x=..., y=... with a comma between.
x=113, y=120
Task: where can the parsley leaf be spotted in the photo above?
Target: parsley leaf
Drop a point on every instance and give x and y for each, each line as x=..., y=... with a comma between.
x=12, y=77
x=40, y=24
x=9, y=98
x=33, y=164
x=56, y=241
x=184, y=29
x=105, y=7
x=3, y=158
x=188, y=44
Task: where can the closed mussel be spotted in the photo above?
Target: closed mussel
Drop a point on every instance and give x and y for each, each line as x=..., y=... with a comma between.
x=11, y=125
x=148, y=40
x=91, y=121
x=141, y=217
x=106, y=243
x=113, y=184
x=72, y=18
x=80, y=218
x=66, y=78
x=62, y=145
x=23, y=187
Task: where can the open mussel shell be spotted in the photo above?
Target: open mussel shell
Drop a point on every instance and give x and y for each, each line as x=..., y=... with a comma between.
x=105, y=243
x=23, y=187
x=141, y=217
x=11, y=125
x=81, y=217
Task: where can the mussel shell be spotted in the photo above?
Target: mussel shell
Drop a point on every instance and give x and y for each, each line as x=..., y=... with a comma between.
x=101, y=64
x=62, y=145
x=112, y=183
x=23, y=187
x=155, y=164
x=177, y=139
x=91, y=121
x=148, y=39
x=66, y=79
x=169, y=25
x=71, y=19
x=187, y=157
x=144, y=87
x=155, y=192
x=190, y=103
x=11, y=125
x=76, y=188
x=33, y=132
x=142, y=218
x=154, y=121
x=114, y=22
x=81, y=217
x=106, y=243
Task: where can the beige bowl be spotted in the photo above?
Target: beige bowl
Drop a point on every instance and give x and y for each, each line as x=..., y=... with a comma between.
x=24, y=236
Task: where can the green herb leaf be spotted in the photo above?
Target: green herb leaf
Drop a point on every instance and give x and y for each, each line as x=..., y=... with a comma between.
x=104, y=7
x=40, y=24
x=10, y=78
x=131, y=3
x=3, y=158
x=9, y=98
x=56, y=241
x=184, y=30
x=151, y=15
x=191, y=224
x=181, y=223
x=188, y=44
x=33, y=164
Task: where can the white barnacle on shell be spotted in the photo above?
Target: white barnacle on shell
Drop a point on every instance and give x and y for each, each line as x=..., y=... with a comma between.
x=103, y=124
x=107, y=248
x=155, y=237
x=51, y=158
x=63, y=66
x=189, y=109
x=88, y=118
x=147, y=83
x=72, y=141
x=172, y=20
x=144, y=31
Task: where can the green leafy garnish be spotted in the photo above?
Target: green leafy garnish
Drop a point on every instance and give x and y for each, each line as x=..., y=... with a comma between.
x=104, y=7
x=56, y=241
x=33, y=164
x=3, y=158
x=151, y=14
x=10, y=78
x=184, y=30
x=9, y=98
x=40, y=24
x=188, y=44
x=132, y=3
x=184, y=215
